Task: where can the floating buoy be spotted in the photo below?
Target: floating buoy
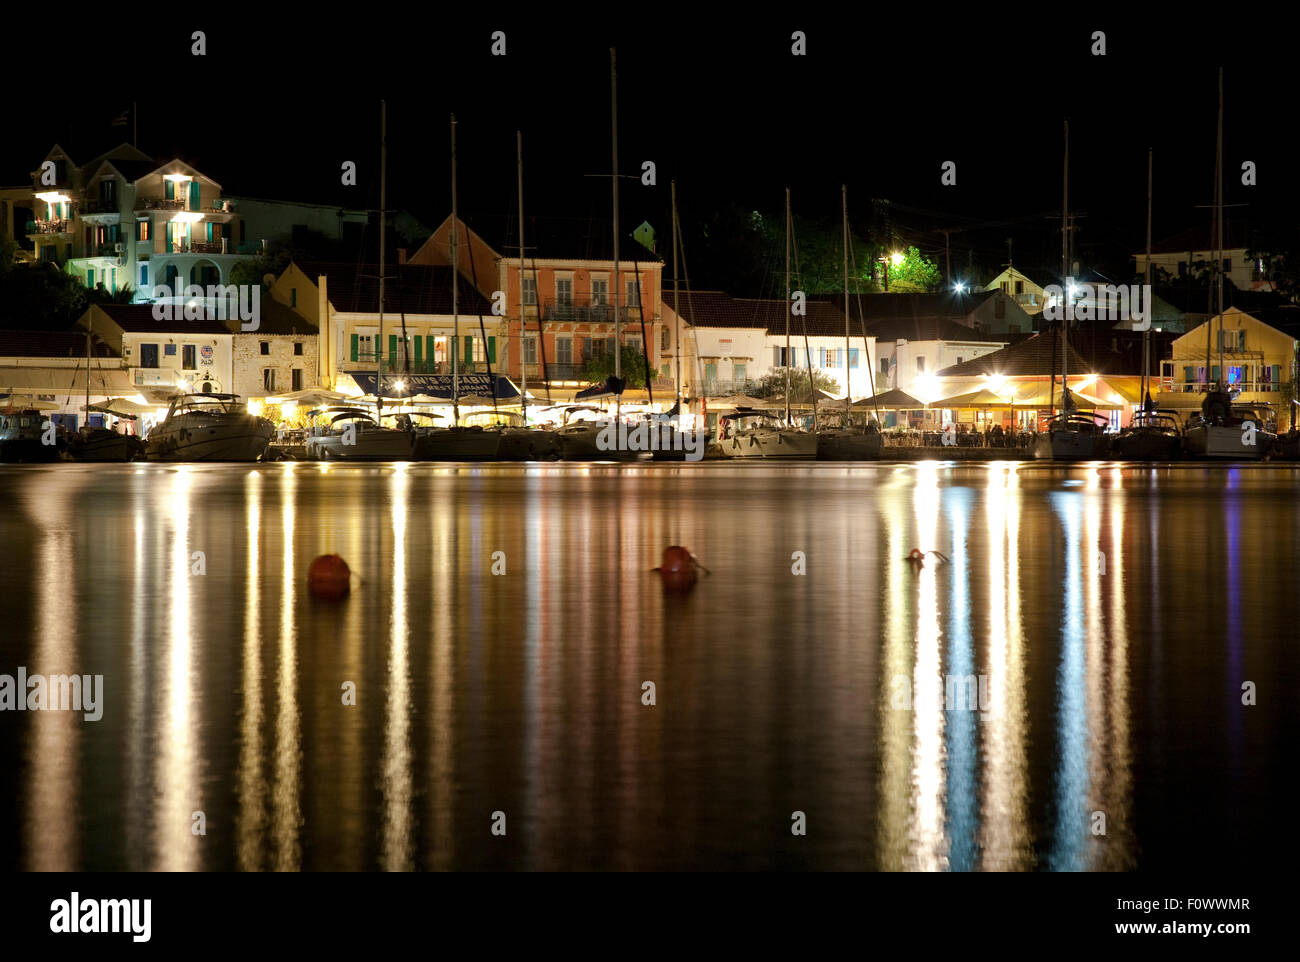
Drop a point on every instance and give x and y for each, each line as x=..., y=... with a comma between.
x=329, y=577
x=916, y=557
x=680, y=570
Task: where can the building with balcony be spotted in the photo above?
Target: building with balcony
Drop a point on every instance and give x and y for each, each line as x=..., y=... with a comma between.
x=162, y=358
x=1259, y=354
x=563, y=313
x=419, y=327
x=1193, y=251
x=1028, y=295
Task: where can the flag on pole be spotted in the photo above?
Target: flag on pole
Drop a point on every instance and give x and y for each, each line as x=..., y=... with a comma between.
x=121, y=119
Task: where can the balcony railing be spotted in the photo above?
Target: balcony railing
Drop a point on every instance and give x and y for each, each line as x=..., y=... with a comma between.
x=108, y=250
x=556, y=371
x=1029, y=299
x=586, y=310
x=98, y=206
x=160, y=203
x=366, y=361
x=720, y=388
x=55, y=226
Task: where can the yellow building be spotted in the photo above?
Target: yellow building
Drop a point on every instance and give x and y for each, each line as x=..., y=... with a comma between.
x=1252, y=353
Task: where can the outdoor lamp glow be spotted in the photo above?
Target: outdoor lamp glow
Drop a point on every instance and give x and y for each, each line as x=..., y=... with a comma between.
x=897, y=258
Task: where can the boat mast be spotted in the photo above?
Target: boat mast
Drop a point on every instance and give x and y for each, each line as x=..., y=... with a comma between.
x=1065, y=264
x=844, y=205
x=1218, y=220
x=1146, y=334
x=383, y=224
x=613, y=121
x=787, y=305
x=455, y=288
x=677, y=318
x=523, y=325
x=89, y=323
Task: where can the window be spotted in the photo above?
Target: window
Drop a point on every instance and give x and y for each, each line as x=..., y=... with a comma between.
x=148, y=355
x=920, y=364
x=564, y=350
x=297, y=348
x=1182, y=268
x=884, y=365
x=738, y=371
x=633, y=292
x=169, y=350
x=564, y=291
x=634, y=343
x=666, y=341
x=1020, y=287
x=530, y=349
x=144, y=275
x=960, y=359
x=187, y=358
x=1227, y=265
x=1005, y=287
x=265, y=347
x=599, y=290
x=598, y=347
x=295, y=379
x=142, y=230
x=530, y=290
x=268, y=379
x=853, y=357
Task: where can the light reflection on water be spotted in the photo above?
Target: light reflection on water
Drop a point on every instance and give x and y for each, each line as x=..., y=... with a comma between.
x=1113, y=613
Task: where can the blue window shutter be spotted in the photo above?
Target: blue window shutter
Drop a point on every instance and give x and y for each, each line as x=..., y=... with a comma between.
x=355, y=348
x=90, y=277
x=209, y=232
x=144, y=274
x=492, y=349
x=194, y=195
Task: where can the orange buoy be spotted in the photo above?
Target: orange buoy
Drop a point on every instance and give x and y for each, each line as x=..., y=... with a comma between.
x=679, y=570
x=329, y=577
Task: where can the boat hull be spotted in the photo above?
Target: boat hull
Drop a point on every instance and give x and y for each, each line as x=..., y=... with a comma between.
x=1226, y=442
x=105, y=446
x=773, y=445
x=205, y=437
x=848, y=446
x=457, y=444
x=1140, y=445
x=582, y=444
x=1068, y=446
x=528, y=445
x=367, y=446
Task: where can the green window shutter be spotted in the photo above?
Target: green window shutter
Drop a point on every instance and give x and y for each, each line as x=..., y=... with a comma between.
x=392, y=348
x=430, y=352
x=90, y=278
x=492, y=349
x=1214, y=373
x=469, y=349
x=1277, y=377
x=194, y=195
x=169, y=189
x=419, y=351
x=355, y=347
x=209, y=232
x=1189, y=374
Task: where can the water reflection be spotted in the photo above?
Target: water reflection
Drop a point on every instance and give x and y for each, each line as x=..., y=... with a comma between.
x=979, y=714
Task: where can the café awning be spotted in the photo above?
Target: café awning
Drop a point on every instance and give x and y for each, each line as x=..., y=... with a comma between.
x=65, y=380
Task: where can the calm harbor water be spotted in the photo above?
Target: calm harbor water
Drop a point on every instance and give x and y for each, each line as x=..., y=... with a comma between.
x=1106, y=616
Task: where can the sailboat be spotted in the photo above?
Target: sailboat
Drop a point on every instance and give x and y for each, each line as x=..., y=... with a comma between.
x=1152, y=435
x=844, y=442
x=1070, y=435
x=456, y=442
x=1243, y=432
x=101, y=443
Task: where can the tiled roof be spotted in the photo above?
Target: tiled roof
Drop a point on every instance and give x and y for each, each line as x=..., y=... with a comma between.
x=719, y=309
x=50, y=344
x=410, y=288
x=1032, y=357
x=138, y=318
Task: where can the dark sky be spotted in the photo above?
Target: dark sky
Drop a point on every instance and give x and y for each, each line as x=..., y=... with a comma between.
x=880, y=102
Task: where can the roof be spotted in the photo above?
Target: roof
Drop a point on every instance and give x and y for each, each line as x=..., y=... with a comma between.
x=138, y=318
x=1202, y=239
x=1032, y=357
x=719, y=309
x=560, y=238
x=277, y=318
x=410, y=288
x=51, y=344
x=880, y=306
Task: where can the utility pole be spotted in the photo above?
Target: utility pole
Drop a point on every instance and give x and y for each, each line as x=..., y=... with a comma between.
x=947, y=250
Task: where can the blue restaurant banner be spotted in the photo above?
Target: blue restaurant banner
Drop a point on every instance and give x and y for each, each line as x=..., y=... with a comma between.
x=439, y=385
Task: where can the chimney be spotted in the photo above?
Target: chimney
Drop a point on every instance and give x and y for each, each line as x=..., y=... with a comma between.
x=401, y=256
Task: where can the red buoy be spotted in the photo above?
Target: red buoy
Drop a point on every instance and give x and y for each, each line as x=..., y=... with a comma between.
x=679, y=570
x=329, y=578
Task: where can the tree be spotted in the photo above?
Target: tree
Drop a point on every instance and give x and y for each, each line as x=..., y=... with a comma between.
x=773, y=383
x=255, y=271
x=633, y=363
x=915, y=273
x=40, y=297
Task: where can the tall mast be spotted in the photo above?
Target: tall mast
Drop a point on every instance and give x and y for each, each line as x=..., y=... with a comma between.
x=677, y=318
x=1218, y=219
x=1146, y=334
x=787, y=305
x=455, y=287
x=89, y=323
x=1065, y=261
x=613, y=120
x=383, y=225
x=844, y=204
x=523, y=323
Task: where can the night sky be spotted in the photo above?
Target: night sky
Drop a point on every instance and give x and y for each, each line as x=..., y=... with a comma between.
x=879, y=102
